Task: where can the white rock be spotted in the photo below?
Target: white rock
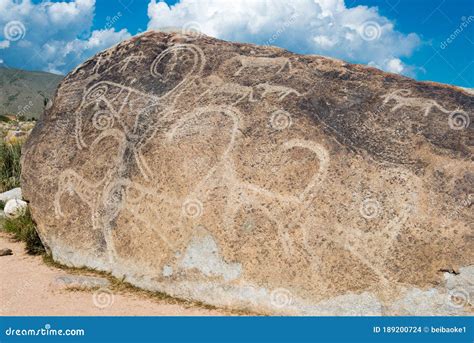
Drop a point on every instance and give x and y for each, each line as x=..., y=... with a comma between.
x=15, y=208
x=80, y=281
x=14, y=193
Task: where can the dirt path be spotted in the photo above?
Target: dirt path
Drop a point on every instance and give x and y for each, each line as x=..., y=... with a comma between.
x=29, y=287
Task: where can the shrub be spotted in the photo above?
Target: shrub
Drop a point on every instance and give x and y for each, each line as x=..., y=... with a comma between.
x=9, y=166
x=24, y=229
x=4, y=118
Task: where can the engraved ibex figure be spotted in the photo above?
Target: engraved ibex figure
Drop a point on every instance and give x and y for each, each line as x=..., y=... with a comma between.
x=282, y=91
x=402, y=99
x=262, y=62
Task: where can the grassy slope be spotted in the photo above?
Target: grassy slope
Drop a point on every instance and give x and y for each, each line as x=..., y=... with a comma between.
x=20, y=87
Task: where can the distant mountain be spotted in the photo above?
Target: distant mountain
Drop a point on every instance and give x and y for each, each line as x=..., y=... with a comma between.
x=24, y=92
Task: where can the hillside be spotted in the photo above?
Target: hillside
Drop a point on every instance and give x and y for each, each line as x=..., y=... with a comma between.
x=24, y=92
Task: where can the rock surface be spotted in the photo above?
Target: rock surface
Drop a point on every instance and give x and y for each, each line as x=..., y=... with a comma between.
x=15, y=208
x=251, y=177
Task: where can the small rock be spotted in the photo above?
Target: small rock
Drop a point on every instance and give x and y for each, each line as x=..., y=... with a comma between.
x=15, y=208
x=6, y=252
x=79, y=281
x=14, y=193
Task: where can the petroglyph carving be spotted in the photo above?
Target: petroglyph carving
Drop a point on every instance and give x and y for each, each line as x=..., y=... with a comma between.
x=278, y=90
x=169, y=64
x=220, y=88
x=126, y=61
x=253, y=62
x=242, y=193
x=273, y=158
x=118, y=100
x=402, y=98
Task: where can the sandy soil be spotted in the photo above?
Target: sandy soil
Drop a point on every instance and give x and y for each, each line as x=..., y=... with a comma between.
x=28, y=287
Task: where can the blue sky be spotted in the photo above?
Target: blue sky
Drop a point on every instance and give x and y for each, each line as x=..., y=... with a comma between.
x=427, y=40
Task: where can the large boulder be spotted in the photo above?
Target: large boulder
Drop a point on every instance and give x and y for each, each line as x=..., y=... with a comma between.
x=251, y=177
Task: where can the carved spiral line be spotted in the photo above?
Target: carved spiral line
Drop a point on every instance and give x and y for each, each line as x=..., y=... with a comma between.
x=103, y=120
x=96, y=92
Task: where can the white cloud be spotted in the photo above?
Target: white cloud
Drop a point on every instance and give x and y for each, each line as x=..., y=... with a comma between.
x=4, y=44
x=395, y=65
x=327, y=27
x=61, y=53
x=51, y=36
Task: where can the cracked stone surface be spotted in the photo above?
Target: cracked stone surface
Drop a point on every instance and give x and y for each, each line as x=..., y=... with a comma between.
x=251, y=177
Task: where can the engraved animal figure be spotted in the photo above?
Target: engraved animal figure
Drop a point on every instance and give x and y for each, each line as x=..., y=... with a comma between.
x=72, y=183
x=280, y=91
x=92, y=194
x=402, y=98
x=165, y=64
x=101, y=62
x=119, y=101
x=262, y=62
x=126, y=61
x=106, y=198
x=220, y=88
x=105, y=205
x=230, y=112
x=110, y=102
x=108, y=105
x=242, y=193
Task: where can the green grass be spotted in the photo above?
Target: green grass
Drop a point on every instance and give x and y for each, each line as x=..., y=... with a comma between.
x=24, y=229
x=4, y=119
x=10, y=168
